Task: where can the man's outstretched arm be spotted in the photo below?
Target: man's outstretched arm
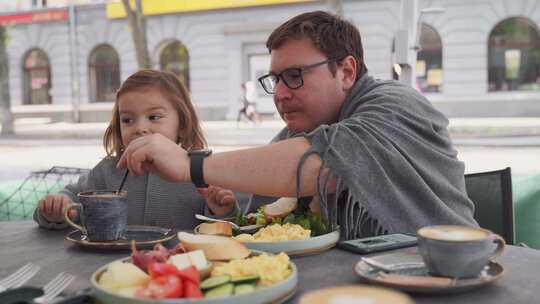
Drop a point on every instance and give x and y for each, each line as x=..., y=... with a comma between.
x=267, y=170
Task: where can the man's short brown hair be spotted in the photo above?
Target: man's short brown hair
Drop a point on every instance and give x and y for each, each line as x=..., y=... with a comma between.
x=332, y=35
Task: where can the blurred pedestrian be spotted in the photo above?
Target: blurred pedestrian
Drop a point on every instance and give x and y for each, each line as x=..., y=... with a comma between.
x=249, y=107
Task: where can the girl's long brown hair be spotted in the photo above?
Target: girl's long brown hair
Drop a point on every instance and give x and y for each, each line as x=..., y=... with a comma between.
x=190, y=132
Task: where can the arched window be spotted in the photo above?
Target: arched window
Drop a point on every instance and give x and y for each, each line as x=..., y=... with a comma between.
x=514, y=56
x=174, y=58
x=104, y=69
x=429, y=76
x=37, y=78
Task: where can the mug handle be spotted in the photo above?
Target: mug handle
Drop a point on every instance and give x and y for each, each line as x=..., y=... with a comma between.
x=69, y=221
x=500, y=246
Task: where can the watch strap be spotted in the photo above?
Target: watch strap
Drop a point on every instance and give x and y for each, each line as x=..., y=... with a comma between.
x=196, y=170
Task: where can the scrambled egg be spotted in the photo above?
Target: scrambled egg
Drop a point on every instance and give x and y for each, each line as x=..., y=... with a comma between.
x=276, y=233
x=270, y=268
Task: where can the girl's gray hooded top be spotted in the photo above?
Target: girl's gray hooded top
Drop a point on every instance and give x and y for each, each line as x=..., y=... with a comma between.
x=152, y=201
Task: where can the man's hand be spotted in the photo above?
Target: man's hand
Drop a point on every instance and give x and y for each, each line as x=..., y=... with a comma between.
x=220, y=201
x=157, y=154
x=52, y=207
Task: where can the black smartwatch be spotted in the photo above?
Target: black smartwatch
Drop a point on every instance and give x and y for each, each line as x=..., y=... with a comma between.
x=196, y=166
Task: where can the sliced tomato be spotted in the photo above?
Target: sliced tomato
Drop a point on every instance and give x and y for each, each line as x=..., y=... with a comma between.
x=169, y=286
x=191, y=274
x=192, y=290
x=161, y=269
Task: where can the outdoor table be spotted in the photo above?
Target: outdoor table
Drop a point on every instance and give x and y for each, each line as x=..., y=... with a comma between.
x=23, y=241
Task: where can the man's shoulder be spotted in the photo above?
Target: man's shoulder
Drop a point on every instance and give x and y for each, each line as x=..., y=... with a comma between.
x=376, y=85
x=386, y=91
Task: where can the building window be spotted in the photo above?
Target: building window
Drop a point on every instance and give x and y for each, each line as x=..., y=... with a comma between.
x=174, y=58
x=37, y=78
x=514, y=56
x=104, y=69
x=429, y=75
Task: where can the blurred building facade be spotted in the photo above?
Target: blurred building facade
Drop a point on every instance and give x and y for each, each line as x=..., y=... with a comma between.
x=478, y=58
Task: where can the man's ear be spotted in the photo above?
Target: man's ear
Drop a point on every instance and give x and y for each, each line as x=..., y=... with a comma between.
x=348, y=67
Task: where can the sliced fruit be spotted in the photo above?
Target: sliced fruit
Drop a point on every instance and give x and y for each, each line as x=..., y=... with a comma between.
x=192, y=290
x=190, y=274
x=243, y=289
x=220, y=291
x=169, y=286
x=245, y=280
x=121, y=275
x=215, y=281
x=161, y=269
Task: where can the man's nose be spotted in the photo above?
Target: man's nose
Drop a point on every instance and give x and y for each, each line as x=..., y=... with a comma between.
x=282, y=92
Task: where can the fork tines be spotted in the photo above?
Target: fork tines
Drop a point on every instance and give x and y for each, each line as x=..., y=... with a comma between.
x=55, y=287
x=19, y=277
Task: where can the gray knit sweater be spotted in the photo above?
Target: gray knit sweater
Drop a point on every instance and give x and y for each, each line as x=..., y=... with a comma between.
x=152, y=201
x=396, y=167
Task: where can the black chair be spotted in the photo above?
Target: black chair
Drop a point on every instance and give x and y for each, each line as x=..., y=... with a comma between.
x=491, y=193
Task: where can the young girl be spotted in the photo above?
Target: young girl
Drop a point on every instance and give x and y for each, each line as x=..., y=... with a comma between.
x=148, y=102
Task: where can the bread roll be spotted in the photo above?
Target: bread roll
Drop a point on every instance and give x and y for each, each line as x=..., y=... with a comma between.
x=280, y=208
x=215, y=247
x=217, y=228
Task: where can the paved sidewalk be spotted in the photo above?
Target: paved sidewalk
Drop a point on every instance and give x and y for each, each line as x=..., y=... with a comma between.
x=495, y=127
x=464, y=131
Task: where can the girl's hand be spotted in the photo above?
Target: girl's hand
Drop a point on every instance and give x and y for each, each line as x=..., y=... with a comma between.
x=220, y=201
x=52, y=207
x=157, y=154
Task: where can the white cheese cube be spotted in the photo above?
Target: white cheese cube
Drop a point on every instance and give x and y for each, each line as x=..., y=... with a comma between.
x=181, y=261
x=198, y=259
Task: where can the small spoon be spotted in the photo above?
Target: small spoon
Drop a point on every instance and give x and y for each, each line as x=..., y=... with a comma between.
x=250, y=228
x=209, y=219
x=234, y=225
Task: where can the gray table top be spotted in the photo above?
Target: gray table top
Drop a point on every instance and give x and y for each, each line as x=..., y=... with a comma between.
x=22, y=242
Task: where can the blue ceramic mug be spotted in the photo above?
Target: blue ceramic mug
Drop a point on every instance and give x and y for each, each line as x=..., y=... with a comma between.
x=458, y=251
x=103, y=214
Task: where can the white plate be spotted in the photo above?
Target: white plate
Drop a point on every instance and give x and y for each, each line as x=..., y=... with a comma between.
x=299, y=247
x=276, y=293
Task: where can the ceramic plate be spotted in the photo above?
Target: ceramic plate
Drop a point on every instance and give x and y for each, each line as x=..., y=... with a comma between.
x=300, y=247
x=144, y=237
x=277, y=293
x=417, y=280
x=358, y=294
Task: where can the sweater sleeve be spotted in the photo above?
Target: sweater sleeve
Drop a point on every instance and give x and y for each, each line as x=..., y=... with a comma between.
x=44, y=223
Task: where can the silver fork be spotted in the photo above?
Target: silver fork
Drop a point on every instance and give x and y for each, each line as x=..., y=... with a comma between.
x=19, y=277
x=54, y=288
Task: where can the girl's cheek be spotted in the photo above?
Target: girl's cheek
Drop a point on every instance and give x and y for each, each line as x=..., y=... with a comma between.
x=125, y=138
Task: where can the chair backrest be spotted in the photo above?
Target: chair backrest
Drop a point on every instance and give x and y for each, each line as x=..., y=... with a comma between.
x=491, y=193
x=20, y=204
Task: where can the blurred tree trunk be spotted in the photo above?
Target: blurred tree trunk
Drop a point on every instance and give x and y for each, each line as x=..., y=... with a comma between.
x=6, y=117
x=137, y=26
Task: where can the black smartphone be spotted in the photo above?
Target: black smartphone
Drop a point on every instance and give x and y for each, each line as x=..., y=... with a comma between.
x=379, y=243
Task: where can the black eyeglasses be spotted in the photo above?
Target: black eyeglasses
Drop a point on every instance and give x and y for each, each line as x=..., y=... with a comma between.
x=292, y=77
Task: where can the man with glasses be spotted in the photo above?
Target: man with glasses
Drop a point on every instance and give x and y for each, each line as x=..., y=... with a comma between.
x=375, y=155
